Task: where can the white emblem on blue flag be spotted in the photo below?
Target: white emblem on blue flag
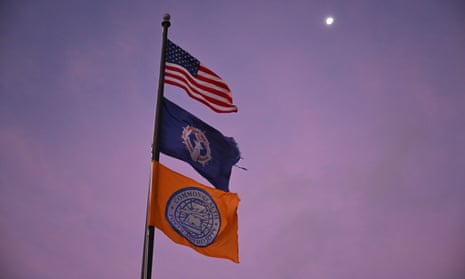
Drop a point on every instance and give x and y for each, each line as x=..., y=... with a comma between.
x=197, y=144
x=193, y=214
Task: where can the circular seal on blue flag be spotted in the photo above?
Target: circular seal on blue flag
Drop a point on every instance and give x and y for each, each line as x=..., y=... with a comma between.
x=197, y=144
x=193, y=214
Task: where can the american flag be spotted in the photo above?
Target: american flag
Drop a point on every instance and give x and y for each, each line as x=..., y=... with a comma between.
x=201, y=83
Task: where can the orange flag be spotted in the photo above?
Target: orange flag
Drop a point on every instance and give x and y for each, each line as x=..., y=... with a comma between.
x=193, y=214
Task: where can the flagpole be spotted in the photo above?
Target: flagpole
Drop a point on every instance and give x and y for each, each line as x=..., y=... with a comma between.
x=149, y=235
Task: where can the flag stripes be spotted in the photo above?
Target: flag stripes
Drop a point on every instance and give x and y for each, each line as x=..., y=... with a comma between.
x=200, y=83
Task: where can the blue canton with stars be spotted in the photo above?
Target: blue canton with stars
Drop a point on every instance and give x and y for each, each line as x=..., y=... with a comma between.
x=177, y=55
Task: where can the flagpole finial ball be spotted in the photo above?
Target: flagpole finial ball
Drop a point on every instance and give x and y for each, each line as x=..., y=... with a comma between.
x=166, y=21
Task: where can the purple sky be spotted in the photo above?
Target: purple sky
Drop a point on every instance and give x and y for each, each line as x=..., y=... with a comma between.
x=354, y=136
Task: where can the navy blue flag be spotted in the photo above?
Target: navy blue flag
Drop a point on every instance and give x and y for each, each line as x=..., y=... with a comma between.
x=185, y=137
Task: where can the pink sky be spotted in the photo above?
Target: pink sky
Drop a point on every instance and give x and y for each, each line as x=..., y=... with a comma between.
x=353, y=136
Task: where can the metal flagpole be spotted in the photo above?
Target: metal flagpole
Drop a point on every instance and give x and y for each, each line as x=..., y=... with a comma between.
x=147, y=257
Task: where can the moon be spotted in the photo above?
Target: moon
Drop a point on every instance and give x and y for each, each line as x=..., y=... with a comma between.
x=329, y=20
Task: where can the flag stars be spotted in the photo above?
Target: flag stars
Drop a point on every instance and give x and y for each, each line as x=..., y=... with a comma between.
x=176, y=55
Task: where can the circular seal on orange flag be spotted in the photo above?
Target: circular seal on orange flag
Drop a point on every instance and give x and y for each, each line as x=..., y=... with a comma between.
x=193, y=214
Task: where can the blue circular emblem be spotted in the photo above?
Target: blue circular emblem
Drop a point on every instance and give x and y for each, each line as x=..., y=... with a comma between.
x=193, y=214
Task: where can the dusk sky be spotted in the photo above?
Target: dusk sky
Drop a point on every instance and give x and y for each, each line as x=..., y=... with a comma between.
x=353, y=136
